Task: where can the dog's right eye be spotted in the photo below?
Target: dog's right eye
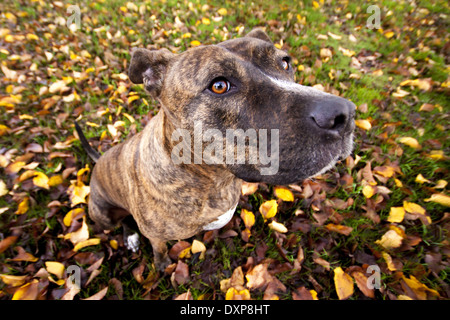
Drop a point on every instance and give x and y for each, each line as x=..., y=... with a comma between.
x=220, y=86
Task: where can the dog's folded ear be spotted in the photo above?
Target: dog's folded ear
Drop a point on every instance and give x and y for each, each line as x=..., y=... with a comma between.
x=259, y=33
x=149, y=67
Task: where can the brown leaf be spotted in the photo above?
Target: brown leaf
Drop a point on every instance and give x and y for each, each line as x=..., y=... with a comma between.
x=302, y=294
x=8, y=241
x=99, y=295
x=361, y=282
x=258, y=277
x=177, y=248
x=345, y=230
x=181, y=274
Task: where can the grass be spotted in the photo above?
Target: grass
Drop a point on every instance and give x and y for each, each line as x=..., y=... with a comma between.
x=110, y=29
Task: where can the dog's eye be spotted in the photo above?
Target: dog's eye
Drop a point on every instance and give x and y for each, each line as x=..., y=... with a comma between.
x=220, y=86
x=285, y=63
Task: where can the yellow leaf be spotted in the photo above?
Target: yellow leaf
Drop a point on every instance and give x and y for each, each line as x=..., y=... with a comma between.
x=389, y=34
x=396, y=214
x=390, y=240
x=206, y=21
x=222, y=11
x=114, y=244
x=315, y=4
x=78, y=193
x=412, y=207
x=70, y=215
x=248, y=217
x=86, y=243
x=419, y=288
x=132, y=98
x=400, y=93
x=28, y=291
x=343, y=283
x=368, y=191
x=268, y=209
x=56, y=268
x=198, y=246
x=112, y=130
x=440, y=184
x=439, y=198
x=235, y=294
x=23, y=206
x=3, y=189
x=249, y=188
x=3, y=129
x=55, y=180
x=279, y=227
x=389, y=262
x=41, y=180
x=409, y=141
x=80, y=235
x=398, y=183
x=195, y=43
x=314, y=294
x=363, y=124
x=420, y=179
x=284, y=194
x=15, y=166
x=13, y=281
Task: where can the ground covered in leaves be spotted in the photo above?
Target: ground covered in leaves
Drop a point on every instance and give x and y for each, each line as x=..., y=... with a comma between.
x=374, y=227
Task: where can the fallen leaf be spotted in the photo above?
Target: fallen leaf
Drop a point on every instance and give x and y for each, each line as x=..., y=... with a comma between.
x=390, y=240
x=268, y=209
x=284, y=194
x=56, y=268
x=235, y=294
x=3, y=189
x=86, y=243
x=345, y=230
x=28, y=291
x=78, y=192
x=99, y=295
x=368, y=191
x=363, y=124
x=409, y=141
x=343, y=283
x=439, y=198
x=279, y=227
x=41, y=180
x=198, y=246
x=419, y=289
x=420, y=179
x=248, y=217
x=396, y=214
x=13, y=281
x=22, y=255
x=23, y=206
x=361, y=281
x=258, y=277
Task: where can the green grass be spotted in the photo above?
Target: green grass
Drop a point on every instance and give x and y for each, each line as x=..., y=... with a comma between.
x=40, y=230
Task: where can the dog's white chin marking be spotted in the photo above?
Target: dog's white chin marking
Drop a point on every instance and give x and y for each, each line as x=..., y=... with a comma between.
x=221, y=220
x=132, y=242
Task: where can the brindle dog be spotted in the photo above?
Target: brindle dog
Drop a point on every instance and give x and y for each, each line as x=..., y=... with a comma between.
x=240, y=84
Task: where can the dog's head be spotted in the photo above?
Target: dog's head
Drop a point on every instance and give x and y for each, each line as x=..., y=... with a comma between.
x=240, y=96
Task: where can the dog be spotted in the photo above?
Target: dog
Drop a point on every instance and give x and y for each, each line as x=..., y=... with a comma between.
x=244, y=86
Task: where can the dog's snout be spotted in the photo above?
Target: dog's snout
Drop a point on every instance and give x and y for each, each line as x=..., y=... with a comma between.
x=333, y=114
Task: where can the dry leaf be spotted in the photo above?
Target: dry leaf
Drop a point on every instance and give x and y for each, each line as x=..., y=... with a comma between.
x=268, y=209
x=345, y=230
x=363, y=124
x=56, y=268
x=86, y=243
x=439, y=198
x=279, y=227
x=361, y=282
x=284, y=194
x=343, y=283
x=248, y=217
x=396, y=214
x=409, y=141
x=198, y=246
x=390, y=240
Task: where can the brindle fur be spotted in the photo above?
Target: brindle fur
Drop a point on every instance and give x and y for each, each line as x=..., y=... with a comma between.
x=171, y=201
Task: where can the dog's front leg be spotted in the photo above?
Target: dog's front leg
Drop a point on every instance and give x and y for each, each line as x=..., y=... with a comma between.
x=160, y=254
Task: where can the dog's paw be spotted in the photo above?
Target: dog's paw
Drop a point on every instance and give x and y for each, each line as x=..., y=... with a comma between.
x=132, y=242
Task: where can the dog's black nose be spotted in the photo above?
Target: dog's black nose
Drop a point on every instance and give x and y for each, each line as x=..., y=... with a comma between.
x=333, y=114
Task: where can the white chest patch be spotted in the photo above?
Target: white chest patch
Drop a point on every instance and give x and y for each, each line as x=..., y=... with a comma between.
x=221, y=220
